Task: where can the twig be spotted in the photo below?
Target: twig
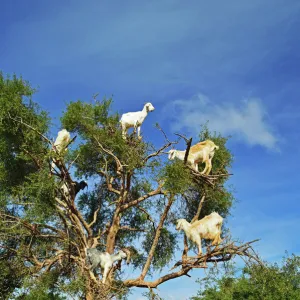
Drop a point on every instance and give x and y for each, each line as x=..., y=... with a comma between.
x=73, y=162
x=132, y=229
x=118, y=163
x=95, y=218
x=148, y=215
x=29, y=126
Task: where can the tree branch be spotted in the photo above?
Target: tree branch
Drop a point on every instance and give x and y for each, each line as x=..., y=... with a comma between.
x=159, y=151
x=224, y=253
x=94, y=218
x=135, y=202
x=118, y=163
x=196, y=217
x=156, y=237
x=29, y=126
x=132, y=229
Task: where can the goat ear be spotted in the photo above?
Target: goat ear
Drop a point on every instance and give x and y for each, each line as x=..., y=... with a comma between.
x=171, y=154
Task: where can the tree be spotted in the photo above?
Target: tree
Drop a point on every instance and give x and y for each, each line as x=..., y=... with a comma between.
x=257, y=282
x=137, y=197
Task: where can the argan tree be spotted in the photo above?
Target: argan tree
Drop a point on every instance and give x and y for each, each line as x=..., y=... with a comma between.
x=134, y=197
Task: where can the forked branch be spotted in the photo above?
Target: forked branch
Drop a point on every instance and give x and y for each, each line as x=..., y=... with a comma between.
x=218, y=254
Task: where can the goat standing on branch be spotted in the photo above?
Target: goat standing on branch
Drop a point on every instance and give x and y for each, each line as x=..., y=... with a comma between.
x=61, y=143
x=208, y=228
x=135, y=119
x=96, y=258
x=202, y=152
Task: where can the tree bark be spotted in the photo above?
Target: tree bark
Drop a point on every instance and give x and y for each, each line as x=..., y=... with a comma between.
x=156, y=238
x=112, y=232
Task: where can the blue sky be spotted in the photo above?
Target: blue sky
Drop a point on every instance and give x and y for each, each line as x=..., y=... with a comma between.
x=233, y=62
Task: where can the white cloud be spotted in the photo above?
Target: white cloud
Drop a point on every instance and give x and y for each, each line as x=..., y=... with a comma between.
x=246, y=122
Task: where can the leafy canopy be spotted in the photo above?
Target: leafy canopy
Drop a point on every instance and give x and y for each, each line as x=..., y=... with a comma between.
x=270, y=282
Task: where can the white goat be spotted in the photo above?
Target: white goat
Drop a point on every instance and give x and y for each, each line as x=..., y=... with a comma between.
x=96, y=258
x=62, y=140
x=199, y=153
x=135, y=119
x=208, y=228
x=61, y=143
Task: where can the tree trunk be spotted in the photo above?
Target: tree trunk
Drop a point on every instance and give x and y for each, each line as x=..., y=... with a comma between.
x=113, y=230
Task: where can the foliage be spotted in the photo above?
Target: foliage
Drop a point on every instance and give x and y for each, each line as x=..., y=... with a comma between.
x=270, y=282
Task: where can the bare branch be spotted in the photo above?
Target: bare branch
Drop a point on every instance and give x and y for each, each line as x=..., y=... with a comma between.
x=196, y=217
x=95, y=218
x=159, y=151
x=69, y=167
x=135, y=202
x=182, y=136
x=118, y=163
x=156, y=237
x=132, y=229
x=109, y=181
x=148, y=215
x=35, y=160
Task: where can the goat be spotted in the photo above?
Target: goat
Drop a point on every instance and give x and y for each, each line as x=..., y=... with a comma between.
x=62, y=140
x=78, y=186
x=208, y=228
x=61, y=144
x=200, y=152
x=135, y=119
x=96, y=258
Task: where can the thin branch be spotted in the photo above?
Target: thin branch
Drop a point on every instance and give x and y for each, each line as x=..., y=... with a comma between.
x=35, y=160
x=159, y=151
x=148, y=215
x=196, y=217
x=94, y=218
x=135, y=202
x=29, y=126
x=162, y=131
x=69, y=167
x=109, y=181
x=118, y=163
x=132, y=229
x=71, y=141
x=182, y=136
x=156, y=237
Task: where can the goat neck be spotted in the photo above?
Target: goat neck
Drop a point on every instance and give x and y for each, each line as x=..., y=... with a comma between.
x=180, y=154
x=144, y=111
x=186, y=226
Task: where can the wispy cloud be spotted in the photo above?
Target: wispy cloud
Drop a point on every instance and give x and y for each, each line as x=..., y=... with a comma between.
x=247, y=122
